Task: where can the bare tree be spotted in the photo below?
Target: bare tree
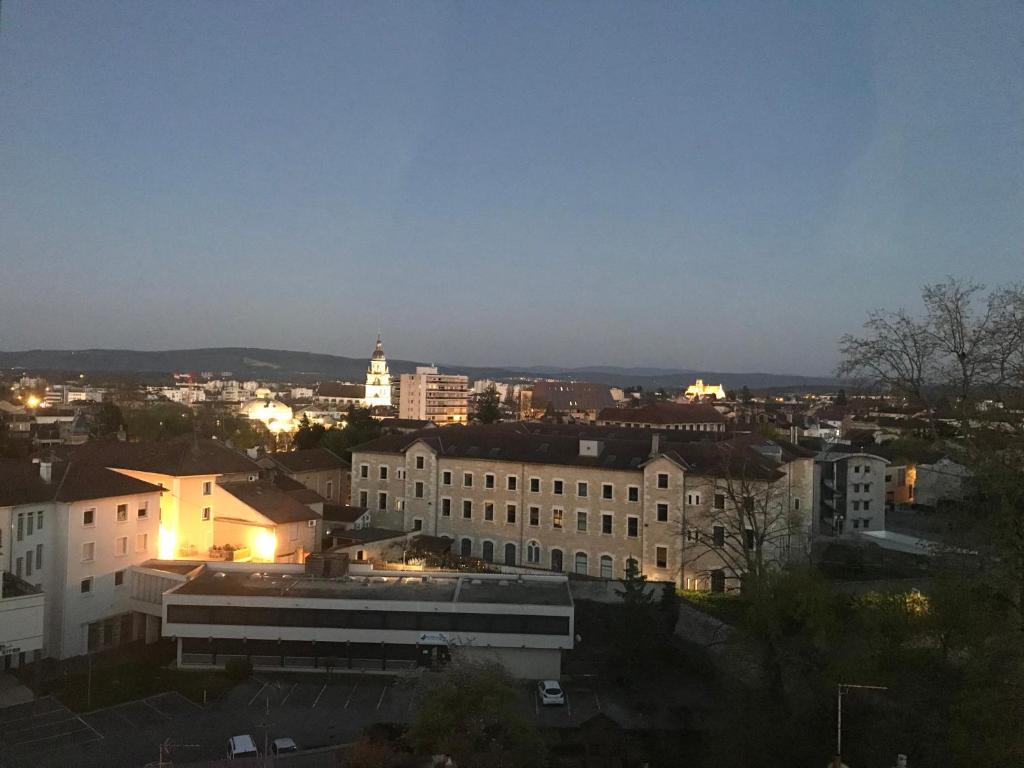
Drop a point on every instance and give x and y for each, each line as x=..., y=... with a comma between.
x=751, y=520
x=897, y=353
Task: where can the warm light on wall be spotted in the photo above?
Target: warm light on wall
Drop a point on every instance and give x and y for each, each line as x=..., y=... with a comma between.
x=165, y=543
x=264, y=546
x=32, y=401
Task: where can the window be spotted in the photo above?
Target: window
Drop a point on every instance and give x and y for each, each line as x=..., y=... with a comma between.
x=633, y=493
x=122, y=513
x=208, y=487
x=39, y=520
x=856, y=506
x=867, y=523
x=718, y=536
x=488, y=551
x=662, y=512
x=556, y=518
x=512, y=482
x=606, y=523
x=85, y=586
x=383, y=472
x=718, y=580
x=581, y=522
x=796, y=504
x=867, y=469
x=748, y=538
x=661, y=557
x=607, y=491
x=534, y=485
x=446, y=507
x=446, y=478
x=21, y=525
x=533, y=552
x=118, y=578
x=207, y=514
x=417, y=490
x=510, y=513
x=558, y=487
x=556, y=560
x=466, y=547
x=419, y=462
x=488, y=481
x=719, y=501
x=28, y=565
x=88, y=551
x=856, y=469
x=143, y=511
x=510, y=554
x=89, y=517
x=29, y=524
x=581, y=563
x=534, y=516
x=467, y=479
x=330, y=489
x=489, y=511
x=141, y=542
x=663, y=480
x=467, y=509
x=417, y=524
x=364, y=471
x=382, y=500
x=607, y=565
x=867, y=487
x=581, y=490
x=632, y=527
x=121, y=546
x=19, y=566
x=364, y=499
x=39, y=556
x=867, y=505
x=856, y=487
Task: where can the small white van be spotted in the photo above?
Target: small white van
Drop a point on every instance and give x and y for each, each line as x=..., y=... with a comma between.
x=242, y=746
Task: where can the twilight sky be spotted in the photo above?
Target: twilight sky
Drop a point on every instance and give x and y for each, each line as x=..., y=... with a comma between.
x=727, y=186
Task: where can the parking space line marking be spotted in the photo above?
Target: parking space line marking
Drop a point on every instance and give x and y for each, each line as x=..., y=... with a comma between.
x=381, y=699
x=288, y=694
x=123, y=717
x=256, y=695
x=350, y=693
x=156, y=709
x=34, y=716
x=27, y=728
x=16, y=745
x=317, y=699
x=100, y=735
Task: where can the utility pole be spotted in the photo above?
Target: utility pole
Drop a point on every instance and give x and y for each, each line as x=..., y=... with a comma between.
x=841, y=690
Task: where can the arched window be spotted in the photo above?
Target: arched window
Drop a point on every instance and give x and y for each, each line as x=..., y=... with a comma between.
x=510, y=554
x=489, y=551
x=556, y=560
x=606, y=566
x=581, y=563
x=533, y=553
x=466, y=547
x=632, y=565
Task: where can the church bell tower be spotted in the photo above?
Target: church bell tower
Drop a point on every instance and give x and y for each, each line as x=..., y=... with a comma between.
x=378, y=380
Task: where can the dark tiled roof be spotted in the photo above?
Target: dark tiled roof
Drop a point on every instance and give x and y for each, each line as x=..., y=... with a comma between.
x=270, y=501
x=664, y=413
x=308, y=460
x=365, y=536
x=337, y=389
x=500, y=443
x=178, y=457
x=342, y=513
x=20, y=483
x=571, y=395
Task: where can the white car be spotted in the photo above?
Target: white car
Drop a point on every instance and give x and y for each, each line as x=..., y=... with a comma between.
x=242, y=746
x=283, y=746
x=550, y=692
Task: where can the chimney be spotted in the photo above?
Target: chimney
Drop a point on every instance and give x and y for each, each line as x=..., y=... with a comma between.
x=655, y=443
x=46, y=471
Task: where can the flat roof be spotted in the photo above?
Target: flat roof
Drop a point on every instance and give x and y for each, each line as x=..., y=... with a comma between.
x=411, y=586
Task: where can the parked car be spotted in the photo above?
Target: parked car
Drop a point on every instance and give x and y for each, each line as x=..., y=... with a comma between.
x=242, y=746
x=283, y=746
x=550, y=692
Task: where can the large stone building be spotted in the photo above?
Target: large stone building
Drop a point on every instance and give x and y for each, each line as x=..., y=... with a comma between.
x=442, y=398
x=587, y=500
x=691, y=417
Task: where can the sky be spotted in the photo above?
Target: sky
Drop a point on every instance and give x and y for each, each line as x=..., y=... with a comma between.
x=726, y=186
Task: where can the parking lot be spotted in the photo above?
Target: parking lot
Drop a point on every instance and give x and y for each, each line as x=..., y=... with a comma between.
x=314, y=712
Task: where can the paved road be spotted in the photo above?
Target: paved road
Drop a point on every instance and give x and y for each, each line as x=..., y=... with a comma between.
x=314, y=713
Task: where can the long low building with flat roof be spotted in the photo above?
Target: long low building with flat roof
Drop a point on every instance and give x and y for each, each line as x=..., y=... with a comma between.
x=284, y=616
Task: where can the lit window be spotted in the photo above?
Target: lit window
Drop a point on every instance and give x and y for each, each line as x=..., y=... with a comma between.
x=556, y=518
x=122, y=513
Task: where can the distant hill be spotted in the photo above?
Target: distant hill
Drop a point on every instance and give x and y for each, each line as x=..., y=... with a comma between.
x=277, y=364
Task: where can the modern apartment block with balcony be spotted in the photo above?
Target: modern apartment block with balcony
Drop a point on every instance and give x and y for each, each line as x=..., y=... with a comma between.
x=442, y=398
x=851, y=493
